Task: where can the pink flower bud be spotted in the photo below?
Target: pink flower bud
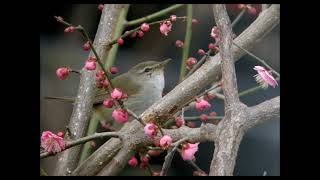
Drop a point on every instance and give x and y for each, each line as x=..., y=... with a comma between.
x=105, y=83
x=195, y=21
x=264, y=78
x=133, y=162
x=201, y=52
x=86, y=46
x=179, y=121
x=51, y=142
x=165, y=141
x=100, y=7
x=190, y=62
x=191, y=124
x=179, y=43
x=70, y=29
x=120, y=115
x=116, y=94
x=188, y=151
x=90, y=64
x=212, y=47
x=150, y=130
x=215, y=32
x=133, y=35
x=144, y=159
x=60, y=134
x=203, y=118
x=173, y=18
x=120, y=41
x=202, y=104
x=100, y=76
x=62, y=73
x=145, y=27
x=241, y=6
x=252, y=10
x=140, y=34
x=165, y=27
x=113, y=70
x=154, y=153
x=108, y=103
x=213, y=114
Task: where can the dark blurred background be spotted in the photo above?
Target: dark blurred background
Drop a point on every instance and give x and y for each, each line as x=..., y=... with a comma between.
x=259, y=151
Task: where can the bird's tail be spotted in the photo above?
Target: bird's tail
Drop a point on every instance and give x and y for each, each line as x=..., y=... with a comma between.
x=65, y=99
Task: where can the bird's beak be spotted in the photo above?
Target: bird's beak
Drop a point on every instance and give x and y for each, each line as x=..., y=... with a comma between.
x=163, y=63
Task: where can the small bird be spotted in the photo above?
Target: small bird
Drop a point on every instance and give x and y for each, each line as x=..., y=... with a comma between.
x=143, y=83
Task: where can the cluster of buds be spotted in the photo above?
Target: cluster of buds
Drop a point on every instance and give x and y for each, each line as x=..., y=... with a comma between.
x=204, y=117
x=101, y=81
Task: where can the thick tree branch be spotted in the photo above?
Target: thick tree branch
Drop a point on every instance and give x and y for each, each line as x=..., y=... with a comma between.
x=229, y=87
x=86, y=93
x=210, y=71
x=263, y=112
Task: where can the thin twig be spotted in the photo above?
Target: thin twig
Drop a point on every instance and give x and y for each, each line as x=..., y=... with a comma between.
x=237, y=19
x=253, y=89
x=186, y=45
x=195, y=118
x=127, y=33
x=154, y=15
x=169, y=157
x=70, y=144
x=257, y=58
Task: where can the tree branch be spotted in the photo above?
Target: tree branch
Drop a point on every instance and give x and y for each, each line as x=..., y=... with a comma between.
x=229, y=87
x=263, y=112
x=153, y=16
x=84, y=100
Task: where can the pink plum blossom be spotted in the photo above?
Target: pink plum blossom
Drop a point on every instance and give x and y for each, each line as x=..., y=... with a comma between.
x=264, y=78
x=51, y=142
x=165, y=141
x=165, y=27
x=116, y=94
x=202, y=104
x=133, y=161
x=150, y=130
x=188, y=151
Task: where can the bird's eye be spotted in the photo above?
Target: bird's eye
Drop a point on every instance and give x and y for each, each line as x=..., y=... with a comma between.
x=147, y=70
